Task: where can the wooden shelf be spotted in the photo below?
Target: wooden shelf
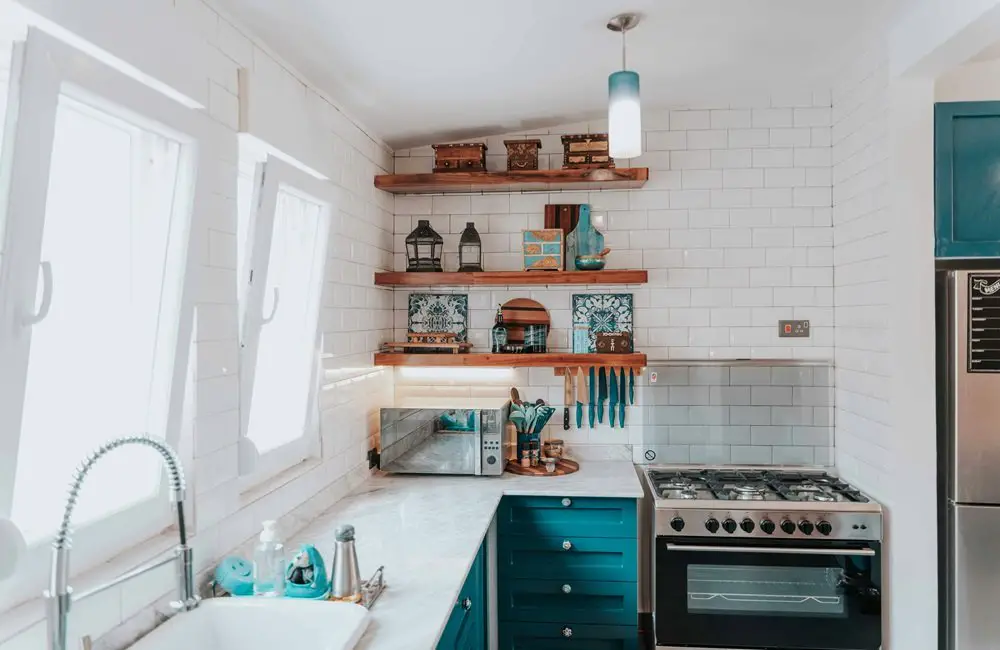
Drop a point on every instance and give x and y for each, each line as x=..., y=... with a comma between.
x=493, y=278
x=539, y=360
x=542, y=179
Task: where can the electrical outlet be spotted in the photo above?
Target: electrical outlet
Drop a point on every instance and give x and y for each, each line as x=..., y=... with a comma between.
x=373, y=458
x=652, y=377
x=793, y=329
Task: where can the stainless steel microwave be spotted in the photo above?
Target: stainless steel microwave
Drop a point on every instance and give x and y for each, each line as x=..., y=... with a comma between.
x=460, y=436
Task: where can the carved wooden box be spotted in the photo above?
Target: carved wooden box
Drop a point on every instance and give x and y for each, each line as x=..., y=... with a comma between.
x=586, y=151
x=463, y=157
x=522, y=155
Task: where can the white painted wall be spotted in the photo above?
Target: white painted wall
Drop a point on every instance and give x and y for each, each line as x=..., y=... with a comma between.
x=198, y=51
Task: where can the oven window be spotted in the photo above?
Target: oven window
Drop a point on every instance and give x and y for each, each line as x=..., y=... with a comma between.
x=757, y=590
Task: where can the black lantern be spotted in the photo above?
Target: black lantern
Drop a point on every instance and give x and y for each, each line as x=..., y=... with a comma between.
x=423, y=248
x=470, y=249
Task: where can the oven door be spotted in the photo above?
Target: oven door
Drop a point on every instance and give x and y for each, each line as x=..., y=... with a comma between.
x=716, y=593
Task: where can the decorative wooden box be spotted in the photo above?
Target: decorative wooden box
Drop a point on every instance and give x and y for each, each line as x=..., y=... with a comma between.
x=463, y=157
x=543, y=249
x=522, y=154
x=586, y=151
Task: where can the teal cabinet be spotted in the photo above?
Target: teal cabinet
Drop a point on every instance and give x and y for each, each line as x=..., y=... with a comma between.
x=967, y=179
x=567, y=572
x=466, y=627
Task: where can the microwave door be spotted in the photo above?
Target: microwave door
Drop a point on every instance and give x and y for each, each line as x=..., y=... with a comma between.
x=973, y=384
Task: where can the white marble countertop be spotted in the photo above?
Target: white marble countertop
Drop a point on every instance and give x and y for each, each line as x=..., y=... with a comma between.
x=426, y=531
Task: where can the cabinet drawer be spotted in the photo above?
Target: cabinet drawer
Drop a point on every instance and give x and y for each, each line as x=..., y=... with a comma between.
x=579, y=516
x=605, y=603
x=553, y=636
x=568, y=558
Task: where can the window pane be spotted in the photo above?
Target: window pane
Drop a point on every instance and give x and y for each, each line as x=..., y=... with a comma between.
x=285, y=353
x=97, y=356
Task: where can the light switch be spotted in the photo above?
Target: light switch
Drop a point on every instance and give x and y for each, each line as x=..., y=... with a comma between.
x=793, y=329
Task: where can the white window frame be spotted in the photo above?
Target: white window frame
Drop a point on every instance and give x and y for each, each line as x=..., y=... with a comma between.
x=44, y=69
x=272, y=176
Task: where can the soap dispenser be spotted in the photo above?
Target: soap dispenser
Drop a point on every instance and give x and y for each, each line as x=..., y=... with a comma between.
x=269, y=563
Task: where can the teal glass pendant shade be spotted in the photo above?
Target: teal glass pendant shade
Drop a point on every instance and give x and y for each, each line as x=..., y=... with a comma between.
x=624, y=115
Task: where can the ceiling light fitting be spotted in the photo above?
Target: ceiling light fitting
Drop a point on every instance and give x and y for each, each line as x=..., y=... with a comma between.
x=624, y=112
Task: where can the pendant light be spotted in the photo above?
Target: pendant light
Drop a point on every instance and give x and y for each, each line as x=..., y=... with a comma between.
x=624, y=113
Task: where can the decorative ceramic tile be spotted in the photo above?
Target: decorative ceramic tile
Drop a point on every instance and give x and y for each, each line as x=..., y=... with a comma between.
x=543, y=249
x=606, y=312
x=439, y=312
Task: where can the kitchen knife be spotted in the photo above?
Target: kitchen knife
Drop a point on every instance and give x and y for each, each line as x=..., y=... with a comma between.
x=590, y=398
x=580, y=384
x=602, y=393
x=622, y=401
x=567, y=397
x=612, y=396
x=631, y=386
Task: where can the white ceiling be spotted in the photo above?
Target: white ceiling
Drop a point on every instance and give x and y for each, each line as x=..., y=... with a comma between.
x=421, y=71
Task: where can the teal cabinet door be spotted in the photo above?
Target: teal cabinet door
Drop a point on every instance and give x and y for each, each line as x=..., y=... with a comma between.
x=466, y=627
x=552, y=636
x=604, y=603
x=967, y=179
x=568, y=558
x=580, y=516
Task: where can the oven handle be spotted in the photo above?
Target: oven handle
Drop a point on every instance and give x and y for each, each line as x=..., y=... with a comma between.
x=867, y=552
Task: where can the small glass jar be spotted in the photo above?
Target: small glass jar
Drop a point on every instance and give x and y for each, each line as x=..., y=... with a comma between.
x=553, y=448
x=535, y=453
x=550, y=464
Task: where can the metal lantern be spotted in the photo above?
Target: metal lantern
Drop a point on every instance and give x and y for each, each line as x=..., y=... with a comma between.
x=470, y=249
x=423, y=248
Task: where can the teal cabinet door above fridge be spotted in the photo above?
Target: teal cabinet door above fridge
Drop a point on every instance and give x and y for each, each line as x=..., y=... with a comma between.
x=967, y=179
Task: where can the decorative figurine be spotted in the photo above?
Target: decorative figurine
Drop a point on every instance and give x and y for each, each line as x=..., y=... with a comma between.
x=306, y=575
x=470, y=249
x=423, y=248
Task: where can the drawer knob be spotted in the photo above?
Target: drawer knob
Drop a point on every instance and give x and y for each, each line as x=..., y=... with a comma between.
x=567, y=545
x=467, y=604
x=566, y=589
x=567, y=631
x=567, y=502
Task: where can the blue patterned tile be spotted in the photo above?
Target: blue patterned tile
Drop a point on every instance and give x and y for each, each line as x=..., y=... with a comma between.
x=606, y=312
x=439, y=312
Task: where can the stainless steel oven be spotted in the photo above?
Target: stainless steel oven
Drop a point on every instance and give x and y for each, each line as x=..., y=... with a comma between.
x=764, y=559
x=767, y=594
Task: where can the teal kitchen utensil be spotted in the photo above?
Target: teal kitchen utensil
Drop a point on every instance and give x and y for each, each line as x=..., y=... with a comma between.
x=623, y=398
x=613, y=396
x=602, y=394
x=543, y=414
x=580, y=382
x=590, y=395
x=631, y=386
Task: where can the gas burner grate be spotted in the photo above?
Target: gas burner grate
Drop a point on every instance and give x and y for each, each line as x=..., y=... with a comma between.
x=752, y=485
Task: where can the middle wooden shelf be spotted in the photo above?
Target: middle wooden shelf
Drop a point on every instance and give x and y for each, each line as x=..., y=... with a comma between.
x=533, y=360
x=514, y=278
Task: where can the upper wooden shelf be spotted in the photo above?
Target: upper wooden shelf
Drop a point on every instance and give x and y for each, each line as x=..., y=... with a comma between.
x=493, y=278
x=536, y=360
x=542, y=179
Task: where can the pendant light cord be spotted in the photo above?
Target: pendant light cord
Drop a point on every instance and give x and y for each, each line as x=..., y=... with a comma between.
x=624, y=66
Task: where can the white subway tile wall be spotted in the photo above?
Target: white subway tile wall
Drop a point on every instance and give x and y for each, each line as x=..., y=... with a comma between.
x=355, y=318
x=861, y=222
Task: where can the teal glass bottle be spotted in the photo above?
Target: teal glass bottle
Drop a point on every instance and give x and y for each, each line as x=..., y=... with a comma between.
x=586, y=243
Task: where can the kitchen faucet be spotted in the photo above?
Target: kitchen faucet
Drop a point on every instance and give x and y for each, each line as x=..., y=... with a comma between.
x=59, y=595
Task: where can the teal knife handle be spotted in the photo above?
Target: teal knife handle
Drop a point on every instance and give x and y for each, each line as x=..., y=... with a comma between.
x=631, y=386
x=579, y=415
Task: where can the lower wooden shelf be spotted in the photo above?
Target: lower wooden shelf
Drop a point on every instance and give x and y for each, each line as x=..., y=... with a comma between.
x=536, y=360
x=481, y=278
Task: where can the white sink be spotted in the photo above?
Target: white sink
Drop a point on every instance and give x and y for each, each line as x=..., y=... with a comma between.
x=261, y=624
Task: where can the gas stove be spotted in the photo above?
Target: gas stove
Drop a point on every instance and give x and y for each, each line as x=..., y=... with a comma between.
x=805, y=504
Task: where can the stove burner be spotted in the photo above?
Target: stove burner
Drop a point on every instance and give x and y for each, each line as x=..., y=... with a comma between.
x=748, y=493
x=676, y=484
x=820, y=496
x=686, y=492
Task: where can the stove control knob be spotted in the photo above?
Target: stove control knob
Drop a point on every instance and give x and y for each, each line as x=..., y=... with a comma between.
x=767, y=526
x=677, y=524
x=824, y=527
x=747, y=525
x=787, y=526
x=729, y=526
x=712, y=525
x=806, y=527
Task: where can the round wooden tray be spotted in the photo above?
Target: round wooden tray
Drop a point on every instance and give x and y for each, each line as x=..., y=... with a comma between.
x=564, y=466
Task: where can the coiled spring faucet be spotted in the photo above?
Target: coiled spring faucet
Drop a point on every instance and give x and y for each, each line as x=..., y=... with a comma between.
x=59, y=595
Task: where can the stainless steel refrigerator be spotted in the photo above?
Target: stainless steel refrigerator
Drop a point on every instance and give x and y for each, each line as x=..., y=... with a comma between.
x=968, y=385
